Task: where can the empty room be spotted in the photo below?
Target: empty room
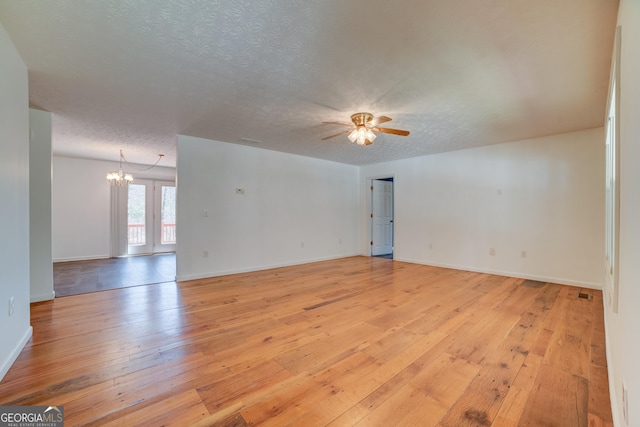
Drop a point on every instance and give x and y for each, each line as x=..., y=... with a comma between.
x=336, y=213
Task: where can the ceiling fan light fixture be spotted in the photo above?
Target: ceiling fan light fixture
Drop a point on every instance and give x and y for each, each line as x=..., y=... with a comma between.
x=353, y=136
x=370, y=135
x=361, y=135
x=362, y=130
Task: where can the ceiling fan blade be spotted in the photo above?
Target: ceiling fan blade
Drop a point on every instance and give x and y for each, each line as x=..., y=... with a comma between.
x=379, y=120
x=392, y=131
x=339, y=123
x=344, y=132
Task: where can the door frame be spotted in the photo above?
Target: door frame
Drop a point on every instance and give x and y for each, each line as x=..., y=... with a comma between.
x=369, y=192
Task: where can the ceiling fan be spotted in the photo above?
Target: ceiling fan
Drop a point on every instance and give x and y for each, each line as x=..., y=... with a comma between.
x=362, y=128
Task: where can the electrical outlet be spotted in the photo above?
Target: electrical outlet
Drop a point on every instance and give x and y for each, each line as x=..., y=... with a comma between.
x=492, y=251
x=625, y=404
x=12, y=307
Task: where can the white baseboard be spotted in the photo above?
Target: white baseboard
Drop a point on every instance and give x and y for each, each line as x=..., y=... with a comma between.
x=186, y=277
x=557, y=280
x=546, y=279
x=81, y=258
x=6, y=364
x=43, y=297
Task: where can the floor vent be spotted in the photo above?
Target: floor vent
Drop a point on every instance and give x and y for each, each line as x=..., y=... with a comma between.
x=585, y=295
x=532, y=284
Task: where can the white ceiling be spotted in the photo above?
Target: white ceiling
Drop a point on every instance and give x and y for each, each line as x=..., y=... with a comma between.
x=133, y=74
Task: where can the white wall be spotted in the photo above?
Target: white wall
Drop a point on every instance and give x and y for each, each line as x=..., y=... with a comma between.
x=81, y=206
x=623, y=328
x=40, y=206
x=14, y=208
x=289, y=201
x=544, y=196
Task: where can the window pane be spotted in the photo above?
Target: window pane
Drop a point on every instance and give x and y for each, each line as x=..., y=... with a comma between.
x=168, y=234
x=136, y=215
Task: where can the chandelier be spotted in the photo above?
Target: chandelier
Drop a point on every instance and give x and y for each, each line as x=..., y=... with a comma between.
x=121, y=179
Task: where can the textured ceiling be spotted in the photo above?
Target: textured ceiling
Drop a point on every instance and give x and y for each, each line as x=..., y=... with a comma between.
x=133, y=74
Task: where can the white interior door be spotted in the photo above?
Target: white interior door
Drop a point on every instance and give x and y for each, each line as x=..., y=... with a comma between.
x=140, y=217
x=165, y=216
x=381, y=217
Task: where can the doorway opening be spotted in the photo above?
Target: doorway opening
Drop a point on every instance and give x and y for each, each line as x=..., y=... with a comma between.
x=382, y=214
x=142, y=223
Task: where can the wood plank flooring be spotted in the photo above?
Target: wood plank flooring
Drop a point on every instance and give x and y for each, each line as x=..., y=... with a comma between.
x=352, y=342
x=81, y=277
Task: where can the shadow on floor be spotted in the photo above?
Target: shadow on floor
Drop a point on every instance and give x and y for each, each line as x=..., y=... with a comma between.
x=81, y=277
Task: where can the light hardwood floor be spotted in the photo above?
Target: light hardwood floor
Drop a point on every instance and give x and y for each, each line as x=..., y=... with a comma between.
x=356, y=341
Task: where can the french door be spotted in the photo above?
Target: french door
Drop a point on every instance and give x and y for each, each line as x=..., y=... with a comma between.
x=151, y=213
x=164, y=238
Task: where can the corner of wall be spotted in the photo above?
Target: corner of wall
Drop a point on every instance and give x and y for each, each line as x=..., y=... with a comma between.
x=15, y=352
x=14, y=160
x=40, y=214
